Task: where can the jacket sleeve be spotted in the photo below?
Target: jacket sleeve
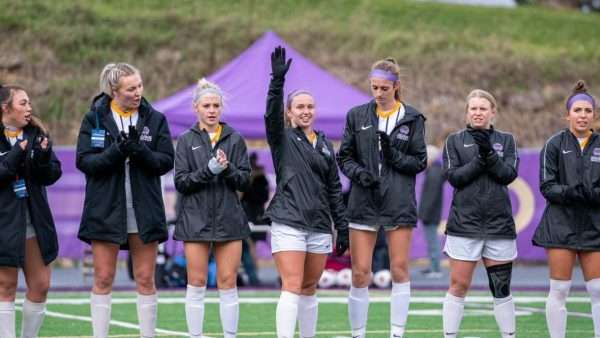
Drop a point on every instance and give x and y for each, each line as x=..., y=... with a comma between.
x=188, y=180
x=347, y=153
x=415, y=160
x=237, y=174
x=550, y=186
x=159, y=161
x=336, y=200
x=47, y=173
x=9, y=165
x=506, y=169
x=274, y=120
x=458, y=175
x=89, y=160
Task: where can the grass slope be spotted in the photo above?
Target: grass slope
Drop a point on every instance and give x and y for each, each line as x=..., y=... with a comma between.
x=528, y=56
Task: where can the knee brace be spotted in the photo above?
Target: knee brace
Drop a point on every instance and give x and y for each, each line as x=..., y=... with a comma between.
x=499, y=278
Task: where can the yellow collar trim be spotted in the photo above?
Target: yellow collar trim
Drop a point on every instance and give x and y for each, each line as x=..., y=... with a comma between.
x=388, y=113
x=217, y=135
x=13, y=133
x=123, y=113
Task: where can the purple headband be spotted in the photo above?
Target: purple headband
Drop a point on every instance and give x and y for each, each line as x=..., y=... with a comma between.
x=384, y=74
x=295, y=93
x=581, y=97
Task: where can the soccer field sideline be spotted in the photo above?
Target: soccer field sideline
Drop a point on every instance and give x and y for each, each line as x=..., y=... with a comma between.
x=322, y=299
x=479, y=305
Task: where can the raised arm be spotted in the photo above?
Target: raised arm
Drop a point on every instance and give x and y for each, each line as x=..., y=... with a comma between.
x=274, y=120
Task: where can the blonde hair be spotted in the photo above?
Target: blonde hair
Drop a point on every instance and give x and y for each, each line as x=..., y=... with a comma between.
x=112, y=74
x=390, y=65
x=484, y=95
x=205, y=87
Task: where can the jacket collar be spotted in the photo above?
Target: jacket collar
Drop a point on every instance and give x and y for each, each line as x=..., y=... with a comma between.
x=227, y=130
x=101, y=107
x=410, y=114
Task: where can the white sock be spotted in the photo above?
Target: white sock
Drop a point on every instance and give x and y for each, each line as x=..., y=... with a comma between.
x=194, y=309
x=358, y=311
x=229, y=309
x=504, y=311
x=593, y=288
x=100, y=310
x=452, y=313
x=7, y=319
x=399, y=308
x=308, y=312
x=556, y=310
x=287, y=314
x=147, y=306
x=33, y=317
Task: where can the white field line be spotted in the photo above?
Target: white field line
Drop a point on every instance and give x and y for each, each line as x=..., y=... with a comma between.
x=322, y=300
x=338, y=334
x=113, y=322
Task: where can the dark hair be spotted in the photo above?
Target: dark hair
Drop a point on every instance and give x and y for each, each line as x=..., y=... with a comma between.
x=389, y=64
x=579, y=90
x=6, y=96
x=579, y=87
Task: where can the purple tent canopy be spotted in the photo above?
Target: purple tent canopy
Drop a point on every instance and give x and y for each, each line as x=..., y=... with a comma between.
x=245, y=81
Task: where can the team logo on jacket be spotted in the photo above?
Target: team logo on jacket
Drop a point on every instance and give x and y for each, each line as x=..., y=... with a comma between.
x=596, y=156
x=499, y=149
x=403, y=133
x=146, y=135
x=326, y=151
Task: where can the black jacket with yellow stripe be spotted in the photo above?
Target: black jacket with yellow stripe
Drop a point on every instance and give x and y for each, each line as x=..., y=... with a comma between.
x=210, y=209
x=393, y=203
x=38, y=172
x=104, y=210
x=570, y=221
x=309, y=192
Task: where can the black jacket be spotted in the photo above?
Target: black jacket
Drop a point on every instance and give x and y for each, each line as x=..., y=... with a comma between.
x=430, y=206
x=38, y=172
x=569, y=221
x=210, y=209
x=309, y=192
x=393, y=203
x=104, y=210
x=481, y=205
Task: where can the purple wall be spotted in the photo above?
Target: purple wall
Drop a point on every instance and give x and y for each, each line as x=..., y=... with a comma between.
x=66, y=202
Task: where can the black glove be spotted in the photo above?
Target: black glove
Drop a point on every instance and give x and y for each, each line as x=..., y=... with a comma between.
x=41, y=155
x=575, y=193
x=132, y=142
x=279, y=66
x=123, y=143
x=367, y=180
x=386, y=145
x=342, y=242
x=482, y=138
x=592, y=195
x=133, y=134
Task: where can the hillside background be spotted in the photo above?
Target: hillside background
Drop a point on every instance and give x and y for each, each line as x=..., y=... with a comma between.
x=528, y=57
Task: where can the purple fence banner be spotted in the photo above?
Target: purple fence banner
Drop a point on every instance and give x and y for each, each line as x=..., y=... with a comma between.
x=66, y=202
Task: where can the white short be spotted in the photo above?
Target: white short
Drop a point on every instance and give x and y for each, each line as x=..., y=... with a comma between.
x=286, y=238
x=29, y=230
x=373, y=228
x=473, y=249
x=132, y=227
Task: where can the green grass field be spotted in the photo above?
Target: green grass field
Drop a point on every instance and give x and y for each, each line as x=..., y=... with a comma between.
x=68, y=315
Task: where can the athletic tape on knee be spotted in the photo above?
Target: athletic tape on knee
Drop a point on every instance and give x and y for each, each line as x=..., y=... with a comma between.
x=499, y=278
